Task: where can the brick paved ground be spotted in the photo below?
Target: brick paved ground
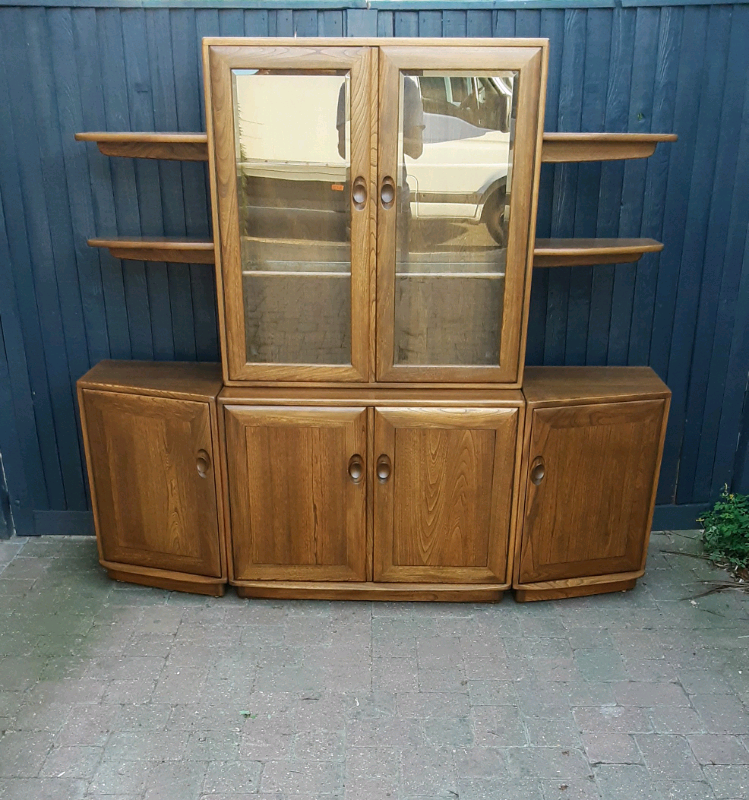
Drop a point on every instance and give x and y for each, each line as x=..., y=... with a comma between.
x=118, y=692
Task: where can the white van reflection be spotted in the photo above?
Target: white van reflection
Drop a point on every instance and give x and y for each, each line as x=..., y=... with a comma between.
x=293, y=166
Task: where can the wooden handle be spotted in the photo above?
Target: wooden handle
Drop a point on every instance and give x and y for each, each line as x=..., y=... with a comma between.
x=387, y=192
x=383, y=468
x=356, y=468
x=203, y=462
x=538, y=470
x=359, y=193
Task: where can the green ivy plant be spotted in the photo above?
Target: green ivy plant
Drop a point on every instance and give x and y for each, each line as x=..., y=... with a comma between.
x=725, y=536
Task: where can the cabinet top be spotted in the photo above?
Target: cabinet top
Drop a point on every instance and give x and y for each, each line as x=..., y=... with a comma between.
x=182, y=380
x=571, y=385
x=310, y=41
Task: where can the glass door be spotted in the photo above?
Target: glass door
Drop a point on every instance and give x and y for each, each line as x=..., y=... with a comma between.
x=459, y=141
x=290, y=130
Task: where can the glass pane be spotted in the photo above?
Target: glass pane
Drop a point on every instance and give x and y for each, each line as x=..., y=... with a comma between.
x=293, y=151
x=455, y=142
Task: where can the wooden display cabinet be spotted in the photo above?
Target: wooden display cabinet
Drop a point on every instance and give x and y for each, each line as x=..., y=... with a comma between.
x=374, y=207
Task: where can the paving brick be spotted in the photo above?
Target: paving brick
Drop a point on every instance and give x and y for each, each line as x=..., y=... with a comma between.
x=433, y=704
x=553, y=732
x=120, y=778
x=718, y=749
x=486, y=789
x=676, y=719
x=648, y=694
x=547, y=762
x=613, y=719
x=235, y=777
x=721, y=714
x=728, y=782
x=611, y=748
x=319, y=745
x=72, y=762
x=685, y=790
x=428, y=771
x=170, y=780
x=395, y=674
x=585, y=789
x=302, y=777
x=372, y=772
x=498, y=726
x=42, y=789
x=23, y=753
x=668, y=757
x=626, y=782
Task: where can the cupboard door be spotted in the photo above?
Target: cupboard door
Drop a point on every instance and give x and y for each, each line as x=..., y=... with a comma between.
x=443, y=489
x=458, y=151
x=290, y=131
x=153, y=486
x=297, y=492
x=592, y=472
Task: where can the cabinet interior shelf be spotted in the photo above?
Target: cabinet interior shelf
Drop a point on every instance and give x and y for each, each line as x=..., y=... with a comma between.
x=169, y=146
x=560, y=147
x=183, y=251
x=587, y=252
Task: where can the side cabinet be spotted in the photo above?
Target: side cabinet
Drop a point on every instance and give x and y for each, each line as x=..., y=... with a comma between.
x=150, y=432
x=593, y=446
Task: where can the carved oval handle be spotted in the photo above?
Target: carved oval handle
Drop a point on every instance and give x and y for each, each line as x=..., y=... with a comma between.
x=356, y=468
x=383, y=468
x=203, y=462
x=538, y=470
x=387, y=192
x=359, y=193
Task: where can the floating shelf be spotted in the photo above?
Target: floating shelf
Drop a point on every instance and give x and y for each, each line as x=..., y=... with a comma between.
x=583, y=252
x=559, y=147
x=183, y=251
x=169, y=146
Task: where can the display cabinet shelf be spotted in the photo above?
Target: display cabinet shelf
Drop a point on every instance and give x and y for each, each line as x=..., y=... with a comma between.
x=561, y=147
x=183, y=251
x=584, y=252
x=168, y=146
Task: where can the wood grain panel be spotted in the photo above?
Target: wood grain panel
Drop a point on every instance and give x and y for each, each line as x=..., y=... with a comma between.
x=590, y=512
x=153, y=508
x=444, y=511
x=296, y=514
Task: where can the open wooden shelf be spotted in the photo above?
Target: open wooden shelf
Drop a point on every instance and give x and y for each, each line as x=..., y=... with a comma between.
x=560, y=147
x=183, y=251
x=584, y=252
x=169, y=146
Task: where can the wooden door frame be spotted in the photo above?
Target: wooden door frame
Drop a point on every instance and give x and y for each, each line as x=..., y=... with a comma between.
x=530, y=59
x=220, y=57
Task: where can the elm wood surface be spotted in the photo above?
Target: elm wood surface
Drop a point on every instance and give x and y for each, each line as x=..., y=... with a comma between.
x=592, y=471
x=297, y=500
x=420, y=592
x=164, y=579
x=530, y=60
x=167, y=146
x=153, y=481
x=558, y=147
x=585, y=252
x=443, y=492
x=376, y=395
x=174, y=251
x=523, y=595
x=221, y=56
x=545, y=386
x=182, y=380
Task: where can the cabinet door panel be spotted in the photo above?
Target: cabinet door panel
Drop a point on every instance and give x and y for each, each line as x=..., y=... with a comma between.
x=153, y=482
x=293, y=211
x=296, y=512
x=590, y=511
x=459, y=132
x=443, y=512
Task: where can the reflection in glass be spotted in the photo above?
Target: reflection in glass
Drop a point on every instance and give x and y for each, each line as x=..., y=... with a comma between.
x=293, y=148
x=454, y=179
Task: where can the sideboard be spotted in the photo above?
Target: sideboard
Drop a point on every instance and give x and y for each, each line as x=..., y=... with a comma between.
x=372, y=431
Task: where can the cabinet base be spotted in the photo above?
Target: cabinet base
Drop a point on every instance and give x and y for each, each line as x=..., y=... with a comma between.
x=558, y=593
x=299, y=590
x=172, y=581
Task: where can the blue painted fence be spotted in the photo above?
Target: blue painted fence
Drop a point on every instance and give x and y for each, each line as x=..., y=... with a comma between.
x=615, y=65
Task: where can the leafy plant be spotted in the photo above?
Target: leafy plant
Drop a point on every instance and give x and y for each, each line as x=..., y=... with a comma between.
x=726, y=529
